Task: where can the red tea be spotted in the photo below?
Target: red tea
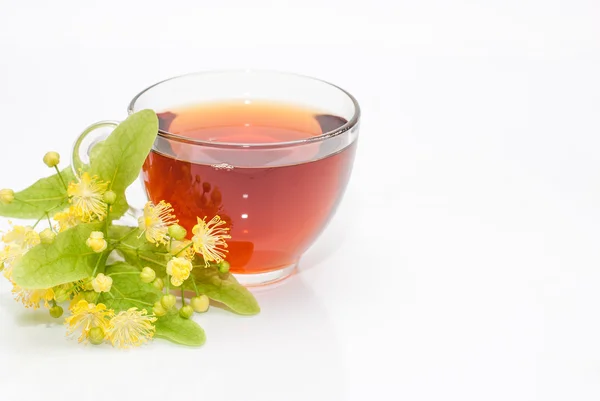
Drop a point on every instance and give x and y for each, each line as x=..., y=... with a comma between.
x=275, y=209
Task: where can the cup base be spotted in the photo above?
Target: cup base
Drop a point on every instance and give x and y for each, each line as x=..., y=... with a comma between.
x=262, y=279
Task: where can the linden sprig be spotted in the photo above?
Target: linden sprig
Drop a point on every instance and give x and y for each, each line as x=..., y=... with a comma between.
x=119, y=281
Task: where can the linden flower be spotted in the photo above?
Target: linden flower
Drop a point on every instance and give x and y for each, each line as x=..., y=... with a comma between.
x=156, y=221
x=131, y=328
x=96, y=241
x=18, y=241
x=86, y=197
x=32, y=298
x=179, y=269
x=85, y=316
x=102, y=283
x=67, y=219
x=209, y=239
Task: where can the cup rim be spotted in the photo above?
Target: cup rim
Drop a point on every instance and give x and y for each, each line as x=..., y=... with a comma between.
x=351, y=123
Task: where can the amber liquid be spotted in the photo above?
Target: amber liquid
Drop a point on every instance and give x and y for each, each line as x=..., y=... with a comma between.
x=274, y=213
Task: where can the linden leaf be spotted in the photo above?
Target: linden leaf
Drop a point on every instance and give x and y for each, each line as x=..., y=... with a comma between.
x=224, y=288
x=65, y=260
x=45, y=195
x=182, y=331
x=128, y=290
x=120, y=157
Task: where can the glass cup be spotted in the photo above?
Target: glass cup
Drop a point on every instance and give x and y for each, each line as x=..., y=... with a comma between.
x=276, y=196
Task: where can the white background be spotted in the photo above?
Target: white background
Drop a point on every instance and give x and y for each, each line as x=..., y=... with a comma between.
x=463, y=263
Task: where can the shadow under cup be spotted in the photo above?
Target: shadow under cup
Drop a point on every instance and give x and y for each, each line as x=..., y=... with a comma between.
x=276, y=196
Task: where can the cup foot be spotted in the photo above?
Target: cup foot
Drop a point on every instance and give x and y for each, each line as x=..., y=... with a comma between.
x=262, y=279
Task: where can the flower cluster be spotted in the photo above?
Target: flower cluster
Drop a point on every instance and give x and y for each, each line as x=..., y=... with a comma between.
x=105, y=304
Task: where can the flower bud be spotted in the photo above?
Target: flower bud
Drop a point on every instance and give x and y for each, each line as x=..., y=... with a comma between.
x=159, y=284
x=102, y=283
x=223, y=266
x=90, y=296
x=109, y=197
x=56, y=311
x=200, y=303
x=147, y=275
x=177, y=232
x=87, y=286
x=47, y=236
x=158, y=309
x=168, y=301
x=96, y=335
x=186, y=311
x=6, y=196
x=96, y=241
x=51, y=159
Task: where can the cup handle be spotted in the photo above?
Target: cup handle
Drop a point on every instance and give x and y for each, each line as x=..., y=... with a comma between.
x=84, y=147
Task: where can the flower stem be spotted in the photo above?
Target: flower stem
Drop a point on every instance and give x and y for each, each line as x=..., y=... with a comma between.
x=38, y=220
x=97, y=264
x=49, y=222
x=61, y=177
x=107, y=220
x=195, y=287
x=126, y=235
x=182, y=296
x=118, y=273
x=184, y=248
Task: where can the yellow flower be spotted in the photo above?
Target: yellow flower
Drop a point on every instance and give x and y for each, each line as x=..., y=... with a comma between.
x=66, y=219
x=179, y=269
x=131, y=328
x=18, y=241
x=182, y=249
x=102, y=283
x=7, y=196
x=156, y=221
x=32, y=298
x=85, y=316
x=209, y=239
x=86, y=197
x=96, y=241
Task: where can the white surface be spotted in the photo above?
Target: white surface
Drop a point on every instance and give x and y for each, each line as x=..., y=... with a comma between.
x=464, y=262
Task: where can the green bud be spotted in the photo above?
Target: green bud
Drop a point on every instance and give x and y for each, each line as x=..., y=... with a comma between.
x=51, y=159
x=147, y=275
x=88, y=286
x=7, y=196
x=47, y=236
x=56, y=311
x=168, y=301
x=177, y=232
x=223, y=266
x=186, y=311
x=158, y=309
x=109, y=197
x=159, y=284
x=200, y=303
x=96, y=335
x=90, y=296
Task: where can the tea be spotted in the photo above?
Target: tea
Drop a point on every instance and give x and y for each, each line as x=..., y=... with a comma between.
x=275, y=207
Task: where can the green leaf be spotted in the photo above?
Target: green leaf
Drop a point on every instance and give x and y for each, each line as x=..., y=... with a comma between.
x=120, y=157
x=45, y=195
x=128, y=290
x=224, y=288
x=182, y=331
x=66, y=259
